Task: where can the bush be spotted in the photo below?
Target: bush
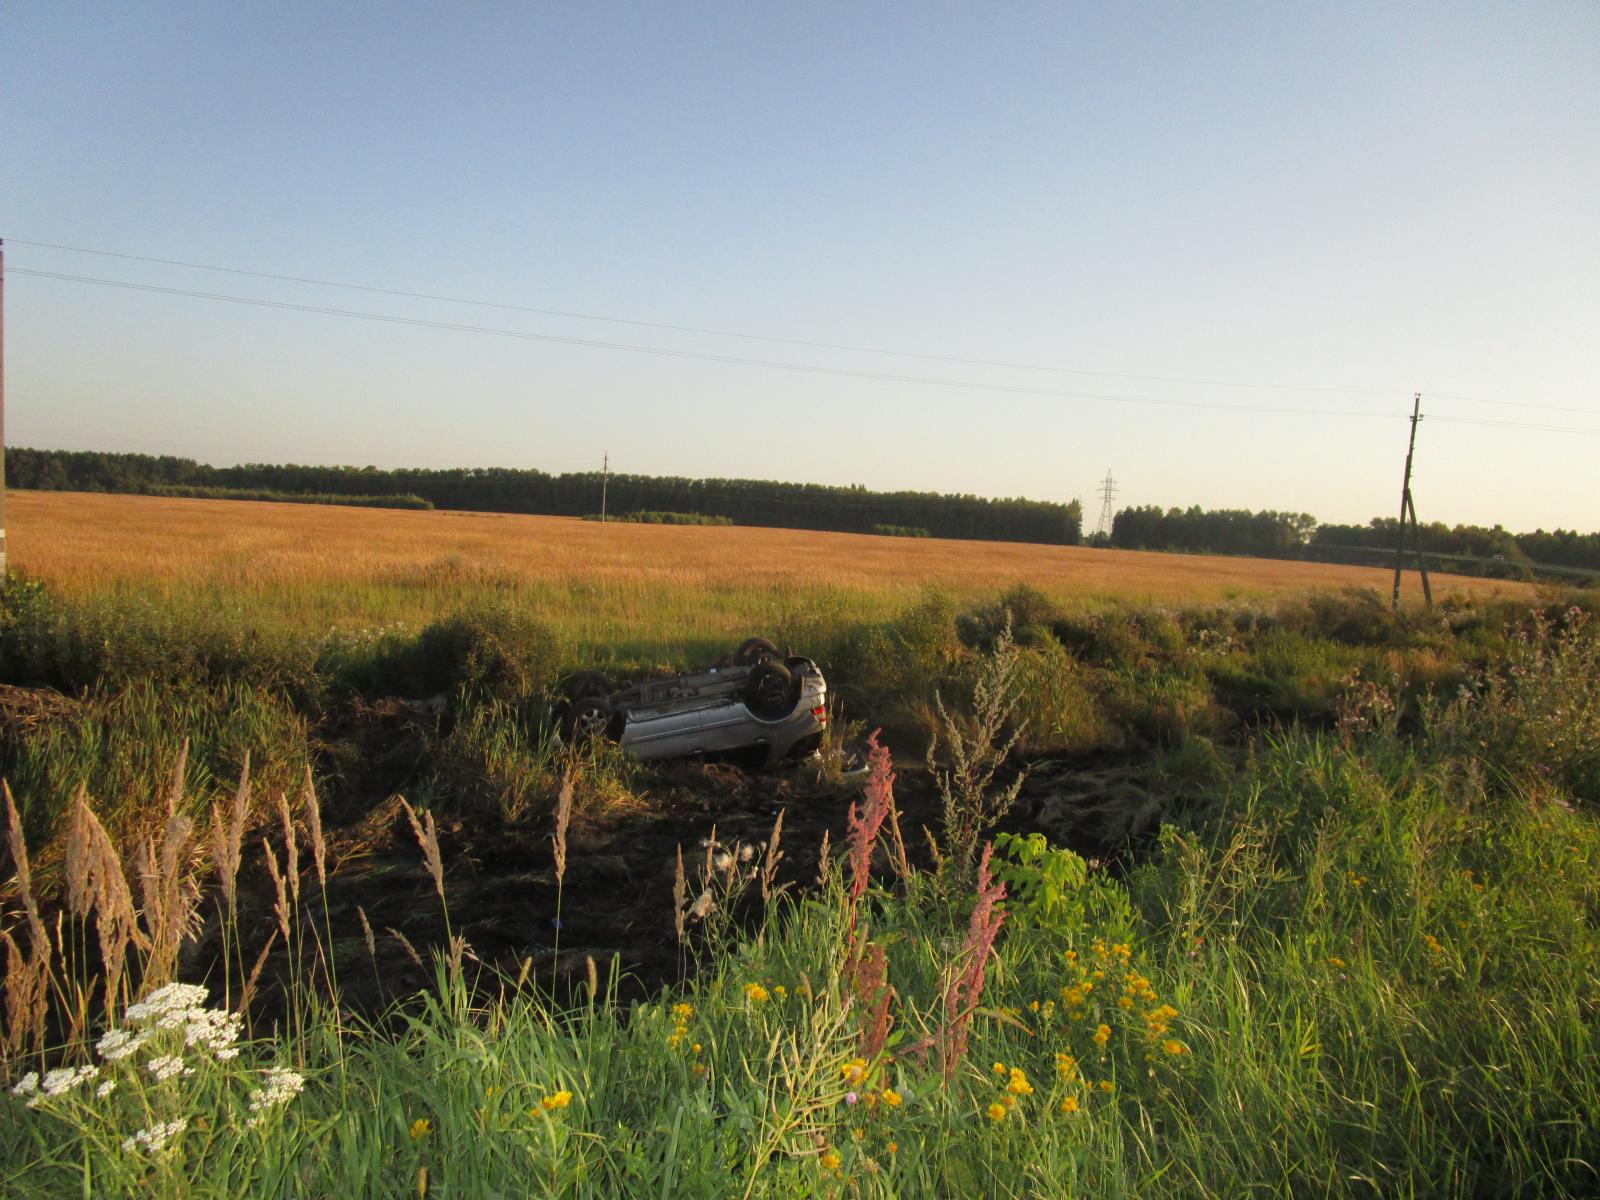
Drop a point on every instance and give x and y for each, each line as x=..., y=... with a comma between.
x=72, y=645
x=1030, y=612
x=495, y=652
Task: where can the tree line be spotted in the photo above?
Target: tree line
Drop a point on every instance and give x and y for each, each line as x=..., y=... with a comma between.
x=1465, y=549
x=852, y=509
x=1263, y=534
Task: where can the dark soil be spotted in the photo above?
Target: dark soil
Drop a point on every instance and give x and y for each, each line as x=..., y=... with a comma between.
x=615, y=903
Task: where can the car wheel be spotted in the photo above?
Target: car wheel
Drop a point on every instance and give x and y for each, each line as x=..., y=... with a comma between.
x=588, y=717
x=754, y=650
x=767, y=692
x=587, y=683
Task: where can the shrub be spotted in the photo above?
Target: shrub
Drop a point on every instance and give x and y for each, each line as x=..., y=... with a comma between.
x=493, y=651
x=1030, y=613
x=73, y=645
x=1538, y=712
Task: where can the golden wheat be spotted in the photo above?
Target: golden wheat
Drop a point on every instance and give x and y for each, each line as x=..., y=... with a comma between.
x=327, y=565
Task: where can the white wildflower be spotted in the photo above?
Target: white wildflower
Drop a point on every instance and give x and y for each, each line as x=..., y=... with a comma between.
x=157, y=1136
x=161, y=1004
x=278, y=1087
x=27, y=1085
x=107, y=1086
x=167, y=1065
x=211, y=1029
x=64, y=1079
x=118, y=1043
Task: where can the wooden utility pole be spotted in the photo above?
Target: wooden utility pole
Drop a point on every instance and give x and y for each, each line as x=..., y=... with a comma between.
x=605, y=475
x=1408, y=512
x=2, y=411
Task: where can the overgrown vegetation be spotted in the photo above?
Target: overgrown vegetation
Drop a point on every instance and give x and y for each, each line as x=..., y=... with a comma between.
x=661, y=518
x=397, y=500
x=913, y=531
x=1355, y=951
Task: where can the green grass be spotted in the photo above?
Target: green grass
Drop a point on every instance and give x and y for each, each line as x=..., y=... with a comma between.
x=1329, y=1049
x=1377, y=920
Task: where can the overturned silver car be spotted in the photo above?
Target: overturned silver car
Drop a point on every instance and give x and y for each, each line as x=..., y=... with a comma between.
x=762, y=707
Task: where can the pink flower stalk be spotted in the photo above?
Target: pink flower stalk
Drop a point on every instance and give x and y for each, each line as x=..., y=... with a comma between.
x=864, y=827
x=966, y=976
x=874, y=997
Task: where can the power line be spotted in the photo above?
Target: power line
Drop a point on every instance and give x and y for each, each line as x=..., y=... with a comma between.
x=699, y=356
x=1513, y=424
x=783, y=341
x=1508, y=404
x=756, y=337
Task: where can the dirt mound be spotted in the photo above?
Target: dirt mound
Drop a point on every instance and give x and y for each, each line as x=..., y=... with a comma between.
x=24, y=710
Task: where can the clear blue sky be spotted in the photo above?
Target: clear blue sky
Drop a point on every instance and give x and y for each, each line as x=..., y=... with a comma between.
x=1383, y=198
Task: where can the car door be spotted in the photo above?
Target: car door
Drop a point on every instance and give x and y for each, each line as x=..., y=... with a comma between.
x=676, y=734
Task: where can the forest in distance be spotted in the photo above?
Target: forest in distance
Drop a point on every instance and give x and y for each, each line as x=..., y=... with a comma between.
x=574, y=494
x=1463, y=549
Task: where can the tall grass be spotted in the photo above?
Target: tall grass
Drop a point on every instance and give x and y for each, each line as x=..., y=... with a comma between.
x=1366, y=962
x=1375, y=975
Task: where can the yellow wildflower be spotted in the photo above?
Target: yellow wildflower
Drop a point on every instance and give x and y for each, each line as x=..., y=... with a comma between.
x=855, y=1070
x=999, y=1068
x=683, y=1011
x=1069, y=1105
x=1102, y=1035
x=894, y=1147
x=1107, y=1086
x=421, y=1128
x=559, y=1100
x=892, y=1098
x=756, y=994
x=1174, y=1046
x=997, y=1112
x=1335, y=961
x=831, y=1161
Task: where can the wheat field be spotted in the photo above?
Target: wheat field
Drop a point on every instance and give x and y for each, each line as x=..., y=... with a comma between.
x=324, y=566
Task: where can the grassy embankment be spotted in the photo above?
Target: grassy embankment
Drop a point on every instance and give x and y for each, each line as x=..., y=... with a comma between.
x=1363, y=958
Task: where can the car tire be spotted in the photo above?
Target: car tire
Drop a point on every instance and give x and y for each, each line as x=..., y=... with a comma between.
x=767, y=692
x=754, y=650
x=586, y=717
x=587, y=683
